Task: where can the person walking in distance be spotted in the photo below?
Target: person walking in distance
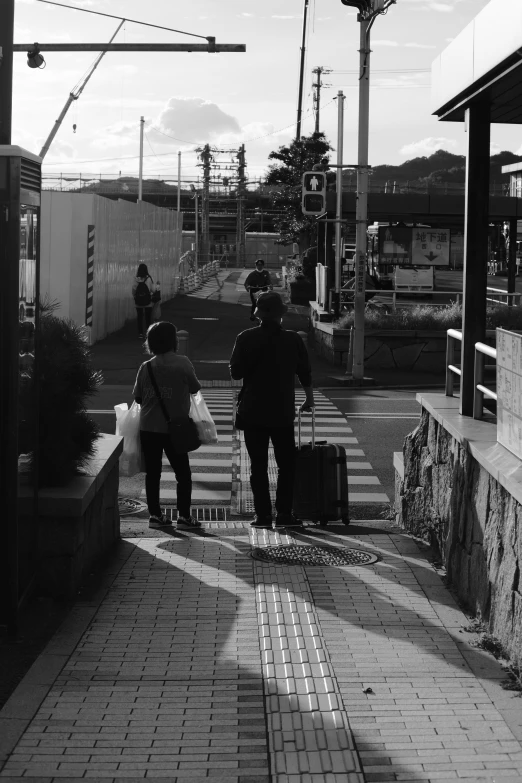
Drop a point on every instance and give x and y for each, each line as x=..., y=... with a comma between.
x=142, y=289
x=258, y=280
x=267, y=358
x=175, y=380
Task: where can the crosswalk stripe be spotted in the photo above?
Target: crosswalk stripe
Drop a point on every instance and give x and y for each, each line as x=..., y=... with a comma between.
x=201, y=478
x=363, y=480
x=200, y=496
x=368, y=497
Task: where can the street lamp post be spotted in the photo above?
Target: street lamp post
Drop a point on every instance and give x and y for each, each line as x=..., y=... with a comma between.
x=368, y=12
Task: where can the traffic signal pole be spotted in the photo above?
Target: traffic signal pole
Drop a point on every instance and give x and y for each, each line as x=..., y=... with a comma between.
x=6, y=69
x=361, y=212
x=339, y=202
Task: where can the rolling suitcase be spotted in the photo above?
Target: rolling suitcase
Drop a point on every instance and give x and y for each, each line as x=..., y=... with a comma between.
x=321, y=481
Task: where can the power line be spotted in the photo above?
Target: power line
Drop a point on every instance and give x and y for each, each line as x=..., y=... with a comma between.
x=112, y=16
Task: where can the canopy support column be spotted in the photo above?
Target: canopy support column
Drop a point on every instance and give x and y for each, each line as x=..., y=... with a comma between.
x=476, y=229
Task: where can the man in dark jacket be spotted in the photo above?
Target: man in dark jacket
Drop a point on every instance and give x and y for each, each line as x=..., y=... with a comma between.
x=257, y=281
x=267, y=358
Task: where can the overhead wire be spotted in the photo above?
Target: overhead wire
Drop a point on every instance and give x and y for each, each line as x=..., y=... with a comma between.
x=113, y=16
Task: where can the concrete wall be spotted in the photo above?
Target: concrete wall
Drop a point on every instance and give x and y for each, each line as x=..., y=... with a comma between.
x=125, y=233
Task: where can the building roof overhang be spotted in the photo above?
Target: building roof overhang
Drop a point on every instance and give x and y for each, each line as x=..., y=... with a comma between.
x=483, y=64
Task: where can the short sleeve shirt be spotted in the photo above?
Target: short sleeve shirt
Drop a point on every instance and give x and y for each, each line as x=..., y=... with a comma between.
x=176, y=380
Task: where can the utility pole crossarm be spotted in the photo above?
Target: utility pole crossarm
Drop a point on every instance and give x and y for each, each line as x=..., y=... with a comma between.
x=131, y=47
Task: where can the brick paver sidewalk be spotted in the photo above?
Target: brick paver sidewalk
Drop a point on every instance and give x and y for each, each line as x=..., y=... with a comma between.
x=202, y=663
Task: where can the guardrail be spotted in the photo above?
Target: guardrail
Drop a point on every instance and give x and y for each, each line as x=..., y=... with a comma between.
x=502, y=297
x=496, y=295
x=481, y=351
x=347, y=297
x=451, y=369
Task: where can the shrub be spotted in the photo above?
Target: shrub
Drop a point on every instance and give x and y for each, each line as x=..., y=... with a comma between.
x=425, y=318
x=66, y=379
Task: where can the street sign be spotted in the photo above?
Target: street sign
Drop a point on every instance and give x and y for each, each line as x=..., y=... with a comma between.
x=431, y=246
x=417, y=246
x=313, y=200
x=395, y=244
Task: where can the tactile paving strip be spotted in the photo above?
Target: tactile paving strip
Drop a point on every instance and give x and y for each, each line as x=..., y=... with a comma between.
x=309, y=735
x=313, y=555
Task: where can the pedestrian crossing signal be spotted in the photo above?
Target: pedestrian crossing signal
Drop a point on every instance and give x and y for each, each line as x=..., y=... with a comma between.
x=314, y=193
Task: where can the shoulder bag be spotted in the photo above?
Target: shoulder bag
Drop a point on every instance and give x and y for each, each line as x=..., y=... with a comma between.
x=183, y=432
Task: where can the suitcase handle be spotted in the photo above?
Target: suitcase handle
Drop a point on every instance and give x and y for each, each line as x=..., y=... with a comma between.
x=299, y=413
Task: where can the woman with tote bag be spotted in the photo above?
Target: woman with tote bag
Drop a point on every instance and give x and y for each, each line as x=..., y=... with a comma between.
x=163, y=388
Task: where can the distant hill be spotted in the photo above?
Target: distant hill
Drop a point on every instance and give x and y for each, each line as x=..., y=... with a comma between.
x=441, y=167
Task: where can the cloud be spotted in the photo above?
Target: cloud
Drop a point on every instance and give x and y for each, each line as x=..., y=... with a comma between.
x=427, y=146
x=494, y=148
x=433, y=5
x=384, y=42
x=414, y=45
x=194, y=119
x=444, y=8
x=282, y=16
x=246, y=15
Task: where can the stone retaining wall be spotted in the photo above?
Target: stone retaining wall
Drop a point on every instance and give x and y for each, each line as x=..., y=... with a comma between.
x=384, y=349
x=448, y=498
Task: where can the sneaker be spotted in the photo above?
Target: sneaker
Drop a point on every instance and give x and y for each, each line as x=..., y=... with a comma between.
x=262, y=521
x=253, y=318
x=158, y=523
x=288, y=520
x=189, y=523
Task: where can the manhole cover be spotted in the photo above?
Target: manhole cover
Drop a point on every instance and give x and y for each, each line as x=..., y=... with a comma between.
x=313, y=555
x=128, y=506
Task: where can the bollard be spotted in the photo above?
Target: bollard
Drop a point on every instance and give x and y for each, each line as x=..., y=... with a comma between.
x=304, y=337
x=183, y=343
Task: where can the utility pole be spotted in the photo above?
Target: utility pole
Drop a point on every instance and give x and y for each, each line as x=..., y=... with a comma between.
x=368, y=12
x=179, y=183
x=301, y=74
x=6, y=69
x=140, y=176
x=206, y=157
x=339, y=202
x=241, y=187
x=317, y=93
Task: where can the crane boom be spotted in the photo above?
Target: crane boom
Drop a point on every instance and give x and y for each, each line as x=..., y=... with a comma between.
x=74, y=95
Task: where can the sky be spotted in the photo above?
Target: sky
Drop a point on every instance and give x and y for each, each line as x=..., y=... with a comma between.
x=227, y=99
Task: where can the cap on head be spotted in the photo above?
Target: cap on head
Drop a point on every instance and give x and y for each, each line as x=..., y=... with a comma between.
x=270, y=305
x=260, y=261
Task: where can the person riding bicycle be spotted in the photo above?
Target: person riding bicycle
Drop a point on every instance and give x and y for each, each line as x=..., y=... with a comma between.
x=257, y=281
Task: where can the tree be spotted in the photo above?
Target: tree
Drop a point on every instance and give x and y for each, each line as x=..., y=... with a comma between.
x=285, y=177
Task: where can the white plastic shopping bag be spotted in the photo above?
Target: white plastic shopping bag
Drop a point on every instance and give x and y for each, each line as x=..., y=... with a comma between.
x=201, y=417
x=128, y=427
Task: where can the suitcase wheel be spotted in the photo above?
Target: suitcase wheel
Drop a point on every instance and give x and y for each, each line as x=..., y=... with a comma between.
x=345, y=520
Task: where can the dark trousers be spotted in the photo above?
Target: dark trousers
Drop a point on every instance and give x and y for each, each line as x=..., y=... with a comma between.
x=153, y=445
x=143, y=313
x=256, y=442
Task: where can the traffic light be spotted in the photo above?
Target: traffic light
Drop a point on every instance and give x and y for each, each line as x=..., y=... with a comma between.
x=314, y=193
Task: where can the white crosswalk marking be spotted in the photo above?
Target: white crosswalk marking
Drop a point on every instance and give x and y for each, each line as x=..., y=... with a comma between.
x=213, y=466
x=326, y=412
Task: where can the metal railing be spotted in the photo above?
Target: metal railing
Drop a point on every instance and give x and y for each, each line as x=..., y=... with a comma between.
x=502, y=297
x=481, y=391
x=481, y=351
x=451, y=368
